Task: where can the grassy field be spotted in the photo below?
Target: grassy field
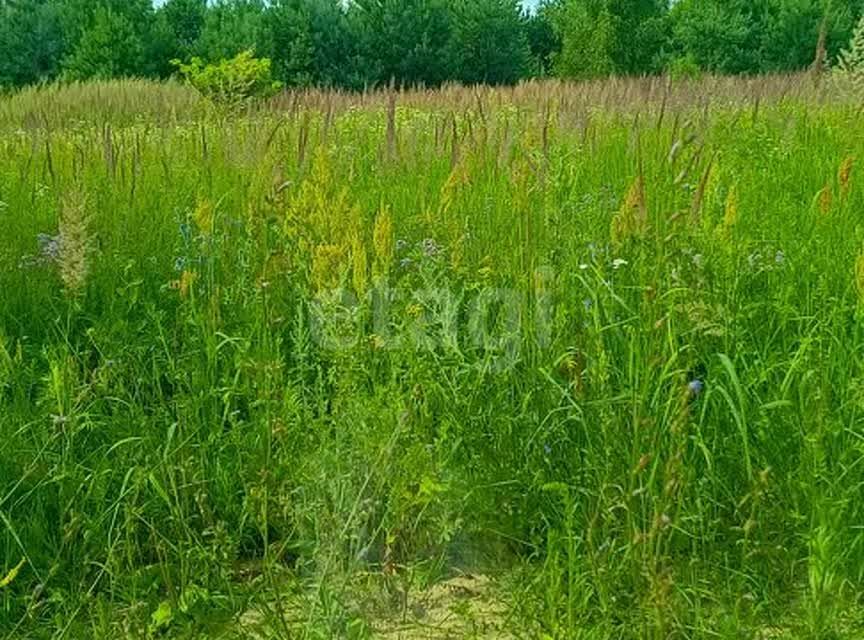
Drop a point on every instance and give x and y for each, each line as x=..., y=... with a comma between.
x=558, y=361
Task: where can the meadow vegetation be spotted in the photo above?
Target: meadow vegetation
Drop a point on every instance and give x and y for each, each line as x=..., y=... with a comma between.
x=589, y=356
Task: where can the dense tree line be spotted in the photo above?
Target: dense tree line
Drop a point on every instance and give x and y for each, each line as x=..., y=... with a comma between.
x=412, y=42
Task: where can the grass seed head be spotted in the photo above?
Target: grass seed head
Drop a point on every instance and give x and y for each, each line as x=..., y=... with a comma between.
x=74, y=243
x=730, y=217
x=382, y=240
x=632, y=218
x=844, y=175
x=825, y=198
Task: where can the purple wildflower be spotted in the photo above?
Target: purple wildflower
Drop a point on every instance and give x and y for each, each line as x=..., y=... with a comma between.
x=430, y=248
x=49, y=246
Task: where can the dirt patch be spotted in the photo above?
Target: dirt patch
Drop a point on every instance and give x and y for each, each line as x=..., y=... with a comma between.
x=462, y=607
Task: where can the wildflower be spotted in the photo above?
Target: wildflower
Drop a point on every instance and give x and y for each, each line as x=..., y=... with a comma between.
x=179, y=264
x=583, y=267
x=49, y=246
x=779, y=257
x=405, y=263
x=695, y=388
x=617, y=263
x=588, y=303
x=547, y=450
x=415, y=310
x=430, y=248
x=401, y=245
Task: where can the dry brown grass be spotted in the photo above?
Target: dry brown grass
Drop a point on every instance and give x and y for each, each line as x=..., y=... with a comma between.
x=61, y=106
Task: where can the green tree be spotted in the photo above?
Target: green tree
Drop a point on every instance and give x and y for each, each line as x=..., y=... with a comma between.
x=32, y=41
x=403, y=41
x=642, y=30
x=308, y=42
x=721, y=36
x=160, y=47
x=185, y=20
x=790, y=30
x=791, y=33
x=231, y=27
x=600, y=37
x=111, y=47
x=543, y=41
x=488, y=42
x=586, y=30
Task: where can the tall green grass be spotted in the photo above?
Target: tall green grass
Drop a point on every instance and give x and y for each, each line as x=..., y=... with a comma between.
x=601, y=343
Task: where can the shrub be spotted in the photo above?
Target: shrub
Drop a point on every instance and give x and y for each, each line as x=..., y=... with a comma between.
x=231, y=82
x=684, y=68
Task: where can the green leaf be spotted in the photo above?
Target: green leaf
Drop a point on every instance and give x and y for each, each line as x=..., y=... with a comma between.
x=162, y=617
